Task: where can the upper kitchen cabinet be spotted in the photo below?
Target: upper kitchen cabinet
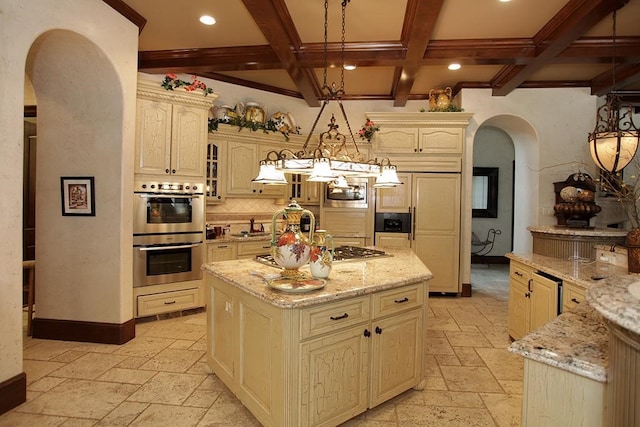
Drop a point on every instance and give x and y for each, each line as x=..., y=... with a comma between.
x=171, y=131
x=395, y=199
x=303, y=191
x=425, y=142
x=244, y=150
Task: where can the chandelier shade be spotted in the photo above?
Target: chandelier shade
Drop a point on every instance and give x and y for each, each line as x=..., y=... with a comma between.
x=614, y=140
x=336, y=154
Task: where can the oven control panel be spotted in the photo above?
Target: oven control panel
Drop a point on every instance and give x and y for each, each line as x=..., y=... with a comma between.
x=168, y=187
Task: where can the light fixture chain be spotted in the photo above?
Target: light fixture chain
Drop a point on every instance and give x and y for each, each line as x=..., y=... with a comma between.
x=613, y=57
x=344, y=7
x=326, y=27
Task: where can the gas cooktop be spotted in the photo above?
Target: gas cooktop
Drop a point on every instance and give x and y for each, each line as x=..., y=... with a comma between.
x=341, y=253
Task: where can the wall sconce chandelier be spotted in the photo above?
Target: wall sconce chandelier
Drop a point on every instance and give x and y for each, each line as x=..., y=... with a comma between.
x=336, y=155
x=614, y=141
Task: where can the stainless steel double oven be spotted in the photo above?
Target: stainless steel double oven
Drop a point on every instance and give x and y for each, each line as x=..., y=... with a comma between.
x=167, y=232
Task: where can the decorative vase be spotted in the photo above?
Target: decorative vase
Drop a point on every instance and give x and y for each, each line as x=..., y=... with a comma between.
x=291, y=249
x=321, y=259
x=633, y=250
x=439, y=99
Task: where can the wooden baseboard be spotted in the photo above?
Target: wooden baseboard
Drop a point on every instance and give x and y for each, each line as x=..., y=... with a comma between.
x=475, y=259
x=13, y=392
x=71, y=330
x=466, y=290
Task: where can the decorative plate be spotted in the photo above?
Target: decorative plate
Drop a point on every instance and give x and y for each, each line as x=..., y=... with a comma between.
x=298, y=286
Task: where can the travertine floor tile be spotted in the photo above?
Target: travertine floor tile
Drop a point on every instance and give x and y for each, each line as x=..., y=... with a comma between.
x=453, y=399
x=46, y=349
x=172, y=360
x=36, y=369
x=506, y=409
x=444, y=416
x=144, y=346
x=169, y=416
x=468, y=356
x=168, y=388
x=89, y=366
x=18, y=419
x=45, y=384
x=128, y=376
x=80, y=399
x=439, y=346
x=467, y=339
x=470, y=378
x=123, y=415
x=503, y=365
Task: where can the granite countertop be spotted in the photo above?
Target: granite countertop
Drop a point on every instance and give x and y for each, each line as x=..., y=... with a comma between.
x=577, y=271
x=575, y=341
x=568, y=231
x=347, y=279
x=615, y=303
x=249, y=237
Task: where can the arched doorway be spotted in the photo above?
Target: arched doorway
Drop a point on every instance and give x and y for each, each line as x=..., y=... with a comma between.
x=81, y=261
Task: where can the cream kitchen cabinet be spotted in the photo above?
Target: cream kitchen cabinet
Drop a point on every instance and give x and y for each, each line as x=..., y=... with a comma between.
x=242, y=168
x=218, y=251
x=396, y=199
x=533, y=300
x=398, y=140
x=303, y=191
x=393, y=240
x=319, y=365
x=250, y=249
x=171, y=132
x=572, y=295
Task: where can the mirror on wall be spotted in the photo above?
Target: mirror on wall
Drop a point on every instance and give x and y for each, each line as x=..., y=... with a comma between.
x=484, y=190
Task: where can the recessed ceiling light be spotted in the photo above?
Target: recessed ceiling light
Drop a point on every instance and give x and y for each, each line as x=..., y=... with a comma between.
x=349, y=67
x=504, y=1
x=207, y=20
x=454, y=67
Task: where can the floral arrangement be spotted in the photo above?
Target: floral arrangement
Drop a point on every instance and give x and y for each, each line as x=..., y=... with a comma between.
x=626, y=190
x=368, y=130
x=269, y=126
x=451, y=108
x=171, y=82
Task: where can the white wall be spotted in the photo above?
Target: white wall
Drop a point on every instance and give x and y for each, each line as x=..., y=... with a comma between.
x=114, y=39
x=494, y=148
x=549, y=129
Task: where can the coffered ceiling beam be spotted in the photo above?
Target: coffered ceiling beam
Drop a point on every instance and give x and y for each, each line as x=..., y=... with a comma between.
x=626, y=74
x=129, y=13
x=573, y=20
x=419, y=22
x=273, y=19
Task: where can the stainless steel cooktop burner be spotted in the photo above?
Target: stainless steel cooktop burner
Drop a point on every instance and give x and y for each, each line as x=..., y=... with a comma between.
x=341, y=253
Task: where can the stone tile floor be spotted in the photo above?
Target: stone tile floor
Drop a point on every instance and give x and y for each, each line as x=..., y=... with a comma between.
x=160, y=378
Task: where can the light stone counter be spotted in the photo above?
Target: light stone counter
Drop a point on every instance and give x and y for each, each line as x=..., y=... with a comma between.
x=569, y=231
x=347, y=278
x=575, y=341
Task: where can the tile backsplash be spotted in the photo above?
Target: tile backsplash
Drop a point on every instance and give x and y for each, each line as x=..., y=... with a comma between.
x=237, y=213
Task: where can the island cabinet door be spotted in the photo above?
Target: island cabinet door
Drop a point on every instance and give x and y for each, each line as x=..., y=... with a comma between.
x=334, y=375
x=220, y=353
x=396, y=355
x=518, y=309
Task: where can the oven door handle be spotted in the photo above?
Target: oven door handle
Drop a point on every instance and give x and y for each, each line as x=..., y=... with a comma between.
x=169, y=196
x=163, y=248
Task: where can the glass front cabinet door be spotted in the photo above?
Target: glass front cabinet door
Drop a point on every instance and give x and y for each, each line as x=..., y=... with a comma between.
x=214, y=186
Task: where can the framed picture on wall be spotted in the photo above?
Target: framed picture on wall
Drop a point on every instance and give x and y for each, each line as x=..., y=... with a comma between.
x=78, y=195
x=484, y=191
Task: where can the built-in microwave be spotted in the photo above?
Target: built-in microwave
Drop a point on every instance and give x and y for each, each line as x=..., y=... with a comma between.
x=356, y=195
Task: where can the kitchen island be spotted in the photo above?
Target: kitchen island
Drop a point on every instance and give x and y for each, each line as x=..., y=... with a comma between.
x=583, y=367
x=322, y=357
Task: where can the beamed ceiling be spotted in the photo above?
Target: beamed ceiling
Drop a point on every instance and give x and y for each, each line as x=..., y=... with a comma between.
x=401, y=47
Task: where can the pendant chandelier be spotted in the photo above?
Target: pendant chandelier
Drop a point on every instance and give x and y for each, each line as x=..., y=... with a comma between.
x=614, y=141
x=336, y=155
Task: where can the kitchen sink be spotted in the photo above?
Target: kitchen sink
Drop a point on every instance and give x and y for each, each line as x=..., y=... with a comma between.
x=260, y=234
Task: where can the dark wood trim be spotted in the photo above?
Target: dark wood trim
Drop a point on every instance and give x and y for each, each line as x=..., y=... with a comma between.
x=31, y=111
x=125, y=10
x=278, y=28
x=72, y=330
x=466, y=290
x=419, y=21
x=571, y=22
x=489, y=259
x=13, y=392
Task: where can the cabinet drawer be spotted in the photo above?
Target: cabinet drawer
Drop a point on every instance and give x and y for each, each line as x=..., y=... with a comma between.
x=165, y=302
x=259, y=247
x=571, y=296
x=326, y=318
x=520, y=272
x=397, y=300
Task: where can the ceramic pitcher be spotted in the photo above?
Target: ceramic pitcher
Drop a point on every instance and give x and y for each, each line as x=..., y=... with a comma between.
x=292, y=249
x=440, y=98
x=321, y=259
